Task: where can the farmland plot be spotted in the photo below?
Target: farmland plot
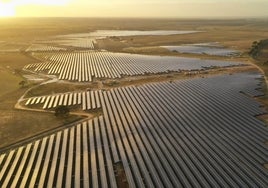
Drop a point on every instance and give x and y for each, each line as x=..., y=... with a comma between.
x=83, y=66
x=190, y=133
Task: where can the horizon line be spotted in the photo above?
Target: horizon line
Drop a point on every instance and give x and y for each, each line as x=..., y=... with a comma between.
x=164, y=18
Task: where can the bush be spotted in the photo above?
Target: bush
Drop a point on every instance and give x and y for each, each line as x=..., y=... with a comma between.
x=22, y=83
x=62, y=111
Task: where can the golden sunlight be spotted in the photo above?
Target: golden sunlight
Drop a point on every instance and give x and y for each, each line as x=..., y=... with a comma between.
x=40, y=2
x=7, y=10
x=11, y=8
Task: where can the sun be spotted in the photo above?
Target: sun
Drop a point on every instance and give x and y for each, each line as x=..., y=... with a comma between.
x=7, y=10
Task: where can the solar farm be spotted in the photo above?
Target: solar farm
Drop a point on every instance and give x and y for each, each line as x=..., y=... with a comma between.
x=161, y=133
x=40, y=47
x=84, y=43
x=208, y=49
x=83, y=66
x=185, y=131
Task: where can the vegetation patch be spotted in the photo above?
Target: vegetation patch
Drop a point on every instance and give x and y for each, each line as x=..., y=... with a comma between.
x=257, y=47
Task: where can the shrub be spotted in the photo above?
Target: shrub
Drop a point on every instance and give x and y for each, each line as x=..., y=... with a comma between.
x=62, y=111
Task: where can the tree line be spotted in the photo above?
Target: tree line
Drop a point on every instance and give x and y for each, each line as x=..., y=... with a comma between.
x=257, y=47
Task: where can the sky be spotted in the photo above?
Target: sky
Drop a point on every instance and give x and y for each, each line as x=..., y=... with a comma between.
x=134, y=8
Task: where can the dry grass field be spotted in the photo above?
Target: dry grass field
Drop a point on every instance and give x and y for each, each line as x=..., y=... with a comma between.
x=10, y=66
x=16, y=125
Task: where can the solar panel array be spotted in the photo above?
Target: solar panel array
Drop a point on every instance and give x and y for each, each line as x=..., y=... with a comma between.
x=83, y=66
x=87, y=100
x=203, y=50
x=86, y=43
x=190, y=133
x=44, y=48
x=83, y=43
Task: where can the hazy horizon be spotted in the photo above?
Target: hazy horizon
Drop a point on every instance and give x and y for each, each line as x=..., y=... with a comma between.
x=138, y=9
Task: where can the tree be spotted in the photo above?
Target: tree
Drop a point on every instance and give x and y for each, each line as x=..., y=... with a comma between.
x=22, y=83
x=62, y=111
x=255, y=48
x=258, y=47
x=254, y=44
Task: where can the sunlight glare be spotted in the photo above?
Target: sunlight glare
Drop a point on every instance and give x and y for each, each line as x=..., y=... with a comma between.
x=41, y=2
x=7, y=10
